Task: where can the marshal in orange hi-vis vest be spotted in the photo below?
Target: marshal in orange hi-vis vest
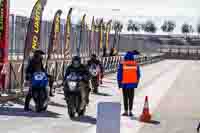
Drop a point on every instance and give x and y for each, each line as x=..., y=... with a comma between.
x=129, y=74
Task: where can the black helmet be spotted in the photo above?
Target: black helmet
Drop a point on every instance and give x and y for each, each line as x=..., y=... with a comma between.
x=38, y=51
x=76, y=61
x=136, y=52
x=37, y=55
x=93, y=56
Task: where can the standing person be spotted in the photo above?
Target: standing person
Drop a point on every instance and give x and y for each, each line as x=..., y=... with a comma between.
x=198, y=128
x=128, y=77
x=113, y=52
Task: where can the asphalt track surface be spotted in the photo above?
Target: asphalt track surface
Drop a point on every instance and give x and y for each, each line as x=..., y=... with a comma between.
x=171, y=85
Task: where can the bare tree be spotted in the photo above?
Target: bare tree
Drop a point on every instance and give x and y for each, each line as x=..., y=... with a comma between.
x=186, y=28
x=198, y=28
x=168, y=26
x=130, y=23
x=136, y=27
x=133, y=26
x=117, y=26
x=149, y=26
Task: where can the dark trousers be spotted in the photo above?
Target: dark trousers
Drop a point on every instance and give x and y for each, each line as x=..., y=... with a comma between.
x=51, y=88
x=198, y=127
x=28, y=99
x=95, y=84
x=128, y=96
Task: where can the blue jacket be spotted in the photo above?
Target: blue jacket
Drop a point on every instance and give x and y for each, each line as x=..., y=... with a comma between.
x=128, y=56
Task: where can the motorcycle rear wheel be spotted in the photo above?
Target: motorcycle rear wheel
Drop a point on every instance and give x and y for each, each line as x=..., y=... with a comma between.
x=71, y=113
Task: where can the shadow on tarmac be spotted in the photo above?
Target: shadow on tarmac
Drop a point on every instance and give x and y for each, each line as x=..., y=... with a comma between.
x=86, y=119
x=101, y=94
x=52, y=103
x=57, y=104
x=104, y=86
x=15, y=111
x=154, y=122
x=112, y=82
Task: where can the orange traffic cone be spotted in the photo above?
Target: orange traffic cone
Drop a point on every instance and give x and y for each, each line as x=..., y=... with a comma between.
x=146, y=116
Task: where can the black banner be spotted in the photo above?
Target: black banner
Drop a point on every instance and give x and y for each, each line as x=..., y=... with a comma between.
x=55, y=34
x=34, y=28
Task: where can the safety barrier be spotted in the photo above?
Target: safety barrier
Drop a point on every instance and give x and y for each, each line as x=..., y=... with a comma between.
x=57, y=68
x=181, y=52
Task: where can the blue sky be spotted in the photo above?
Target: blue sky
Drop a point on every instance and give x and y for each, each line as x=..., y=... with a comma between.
x=139, y=10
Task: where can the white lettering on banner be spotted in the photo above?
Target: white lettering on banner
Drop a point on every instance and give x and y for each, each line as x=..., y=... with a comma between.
x=129, y=67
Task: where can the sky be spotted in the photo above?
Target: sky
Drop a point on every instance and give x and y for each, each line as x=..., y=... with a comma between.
x=181, y=11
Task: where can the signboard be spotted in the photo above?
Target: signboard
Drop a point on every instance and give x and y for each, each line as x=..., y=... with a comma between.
x=108, y=117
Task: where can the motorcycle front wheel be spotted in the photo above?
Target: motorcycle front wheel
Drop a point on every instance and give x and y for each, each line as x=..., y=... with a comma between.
x=71, y=114
x=70, y=107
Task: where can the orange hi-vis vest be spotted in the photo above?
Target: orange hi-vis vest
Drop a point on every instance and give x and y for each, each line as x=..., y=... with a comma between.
x=129, y=74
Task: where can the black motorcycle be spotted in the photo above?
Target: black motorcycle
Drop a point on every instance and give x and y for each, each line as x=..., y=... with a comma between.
x=39, y=86
x=73, y=95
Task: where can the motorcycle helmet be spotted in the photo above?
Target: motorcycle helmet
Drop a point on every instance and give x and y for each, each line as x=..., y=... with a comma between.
x=76, y=61
x=93, y=57
x=37, y=55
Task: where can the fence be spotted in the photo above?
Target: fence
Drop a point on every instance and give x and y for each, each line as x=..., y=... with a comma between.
x=181, y=52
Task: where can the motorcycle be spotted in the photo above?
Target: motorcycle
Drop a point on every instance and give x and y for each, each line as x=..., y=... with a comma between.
x=73, y=95
x=96, y=77
x=40, y=90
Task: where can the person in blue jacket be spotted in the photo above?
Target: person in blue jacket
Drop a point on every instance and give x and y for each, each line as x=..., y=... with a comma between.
x=128, y=77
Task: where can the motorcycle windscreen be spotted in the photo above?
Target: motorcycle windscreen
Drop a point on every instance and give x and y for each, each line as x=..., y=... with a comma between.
x=108, y=117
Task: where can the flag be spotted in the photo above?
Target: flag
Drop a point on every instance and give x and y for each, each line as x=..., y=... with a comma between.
x=67, y=33
x=101, y=34
x=4, y=30
x=81, y=31
x=108, y=28
x=92, y=43
x=4, y=42
x=97, y=35
x=34, y=28
x=55, y=34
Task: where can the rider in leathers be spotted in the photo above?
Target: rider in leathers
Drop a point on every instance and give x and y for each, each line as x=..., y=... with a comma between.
x=80, y=69
x=34, y=65
x=96, y=79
